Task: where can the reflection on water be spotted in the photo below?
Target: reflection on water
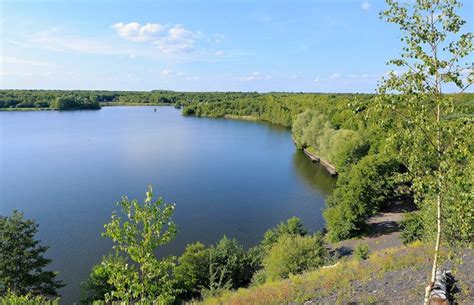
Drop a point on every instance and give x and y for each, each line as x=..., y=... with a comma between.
x=67, y=170
x=314, y=174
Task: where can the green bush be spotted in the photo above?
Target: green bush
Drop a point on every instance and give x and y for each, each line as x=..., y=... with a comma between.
x=97, y=285
x=361, y=251
x=204, y=271
x=294, y=254
x=368, y=186
x=27, y=299
x=192, y=271
x=292, y=226
x=412, y=227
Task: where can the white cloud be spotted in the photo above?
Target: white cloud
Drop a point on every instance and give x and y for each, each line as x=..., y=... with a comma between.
x=335, y=75
x=219, y=53
x=136, y=32
x=255, y=76
x=168, y=39
x=365, y=5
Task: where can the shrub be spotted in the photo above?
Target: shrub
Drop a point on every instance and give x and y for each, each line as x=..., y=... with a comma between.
x=259, y=278
x=292, y=226
x=361, y=251
x=27, y=299
x=294, y=254
x=205, y=271
x=192, y=271
x=363, y=190
x=97, y=285
x=412, y=227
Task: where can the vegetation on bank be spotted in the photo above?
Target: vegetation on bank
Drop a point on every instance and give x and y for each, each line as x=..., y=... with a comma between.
x=92, y=99
x=338, y=284
x=349, y=131
x=133, y=271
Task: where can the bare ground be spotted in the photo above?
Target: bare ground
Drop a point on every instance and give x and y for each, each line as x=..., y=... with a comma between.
x=405, y=286
x=383, y=231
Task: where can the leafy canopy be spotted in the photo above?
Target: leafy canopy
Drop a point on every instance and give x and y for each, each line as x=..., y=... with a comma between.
x=137, y=233
x=22, y=260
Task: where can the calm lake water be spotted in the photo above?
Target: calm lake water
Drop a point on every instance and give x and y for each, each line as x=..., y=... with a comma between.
x=67, y=170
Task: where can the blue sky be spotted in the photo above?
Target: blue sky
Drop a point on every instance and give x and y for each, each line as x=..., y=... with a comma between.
x=311, y=46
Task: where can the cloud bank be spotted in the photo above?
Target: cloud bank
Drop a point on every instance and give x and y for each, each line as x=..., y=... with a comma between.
x=168, y=38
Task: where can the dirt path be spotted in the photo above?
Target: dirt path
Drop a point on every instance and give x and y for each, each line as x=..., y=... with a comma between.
x=383, y=231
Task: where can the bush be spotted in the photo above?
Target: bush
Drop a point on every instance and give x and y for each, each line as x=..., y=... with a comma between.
x=294, y=254
x=203, y=271
x=97, y=285
x=292, y=226
x=192, y=271
x=361, y=251
x=28, y=299
x=363, y=190
x=412, y=227
x=259, y=278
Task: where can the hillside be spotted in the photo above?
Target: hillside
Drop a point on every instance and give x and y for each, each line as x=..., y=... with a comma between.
x=389, y=276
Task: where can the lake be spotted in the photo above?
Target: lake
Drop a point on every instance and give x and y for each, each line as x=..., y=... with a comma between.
x=67, y=170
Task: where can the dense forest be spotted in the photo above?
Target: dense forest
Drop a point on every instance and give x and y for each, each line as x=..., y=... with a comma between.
x=91, y=99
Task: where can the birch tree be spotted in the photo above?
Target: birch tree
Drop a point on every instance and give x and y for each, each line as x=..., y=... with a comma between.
x=433, y=136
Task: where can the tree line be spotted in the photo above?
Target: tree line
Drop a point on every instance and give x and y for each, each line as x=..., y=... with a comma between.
x=93, y=99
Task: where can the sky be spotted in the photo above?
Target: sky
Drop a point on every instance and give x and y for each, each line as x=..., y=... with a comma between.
x=227, y=45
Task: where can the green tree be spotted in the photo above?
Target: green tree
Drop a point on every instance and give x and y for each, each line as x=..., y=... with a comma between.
x=137, y=236
x=368, y=186
x=22, y=260
x=435, y=139
x=192, y=271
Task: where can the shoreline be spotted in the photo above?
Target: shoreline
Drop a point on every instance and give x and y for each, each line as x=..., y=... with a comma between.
x=328, y=166
x=101, y=105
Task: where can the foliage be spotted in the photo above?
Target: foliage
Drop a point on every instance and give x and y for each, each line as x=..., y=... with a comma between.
x=361, y=251
x=22, y=260
x=292, y=226
x=341, y=147
x=27, y=299
x=140, y=275
x=98, y=284
x=72, y=102
x=360, y=193
x=412, y=227
x=325, y=284
x=436, y=143
x=294, y=254
x=207, y=270
x=191, y=273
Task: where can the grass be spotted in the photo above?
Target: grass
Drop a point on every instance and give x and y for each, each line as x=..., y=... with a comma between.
x=335, y=281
